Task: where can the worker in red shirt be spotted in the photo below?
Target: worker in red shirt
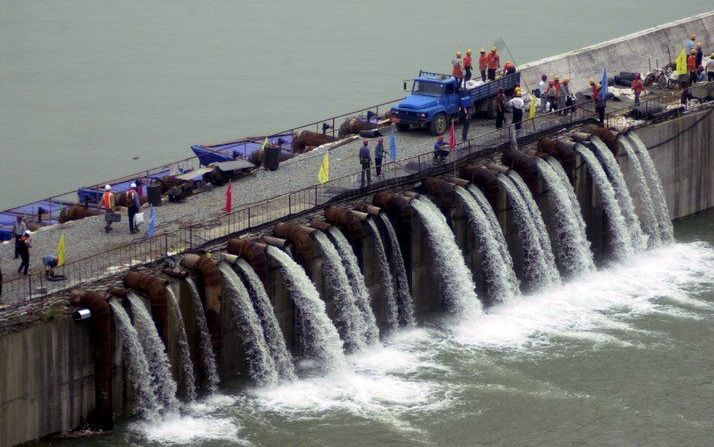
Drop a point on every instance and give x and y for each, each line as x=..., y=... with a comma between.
x=457, y=71
x=483, y=64
x=637, y=87
x=692, y=66
x=494, y=63
x=468, y=64
x=595, y=90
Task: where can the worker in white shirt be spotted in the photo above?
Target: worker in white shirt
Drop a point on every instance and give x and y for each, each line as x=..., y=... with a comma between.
x=542, y=92
x=517, y=105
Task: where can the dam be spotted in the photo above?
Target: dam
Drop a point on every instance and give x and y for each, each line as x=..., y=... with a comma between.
x=373, y=308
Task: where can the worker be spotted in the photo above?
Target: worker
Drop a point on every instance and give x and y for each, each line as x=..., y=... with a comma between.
x=439, y=152
x=600, y=104
x=542, y=89
x=692, y=66
x=50, y=262
x=700, y=54
x=500, y=108
x=710, y=68
x=691, y=43
x=18, y=229
x=457, y=71
x=378, y=156
x=509, y=68
x=595, y=90
x=133, y=207
x=552, y=96
x=563, y=94
x=494, y=63
x=483, y=64
x=468, y=66
x=108, y=204
x=25, y=245
x=365, y=162
x=465, y=118
x=556, y=83
x=517, y=105
x=565, y=89
x=637, y=88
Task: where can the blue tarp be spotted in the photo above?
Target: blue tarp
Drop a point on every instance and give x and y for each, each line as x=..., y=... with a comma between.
x=232, y=150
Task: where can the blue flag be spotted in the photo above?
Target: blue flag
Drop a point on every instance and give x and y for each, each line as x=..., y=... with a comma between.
x=603, y=84
x=151, y=228
x=393, y=146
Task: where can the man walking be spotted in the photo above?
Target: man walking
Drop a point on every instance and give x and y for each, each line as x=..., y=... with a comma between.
x=378, y=155
x=24, y=248
x=18, y=230
x=365, y=161
x=517, y=106
x=108, y=203
x=133, y=207
x=600, y=104
x=465, y=118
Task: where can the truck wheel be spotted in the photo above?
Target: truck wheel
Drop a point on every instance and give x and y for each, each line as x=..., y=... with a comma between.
x=403, y=127
x=439, y=124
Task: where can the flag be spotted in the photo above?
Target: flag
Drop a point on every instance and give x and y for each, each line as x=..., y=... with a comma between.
x=61, y=255
x=682, y=63
x=265, y=143
x=229, y=197
x=393, y=146
x=532, y=110
x=452, y=136
x=151, y=228
x=603, y=85
x=323, y=175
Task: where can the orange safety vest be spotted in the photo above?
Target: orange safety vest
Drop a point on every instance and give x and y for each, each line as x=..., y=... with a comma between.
x=638, y=86
x=107, y=200
x=467, y=61
x=692, y=62
x=457, y=72
x=494, y=61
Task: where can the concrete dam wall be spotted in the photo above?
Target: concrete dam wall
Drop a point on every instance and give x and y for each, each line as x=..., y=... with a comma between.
x=340, y=280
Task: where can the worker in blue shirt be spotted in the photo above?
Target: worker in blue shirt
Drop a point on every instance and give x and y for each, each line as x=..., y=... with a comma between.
x=439, y=152
x=365, y=160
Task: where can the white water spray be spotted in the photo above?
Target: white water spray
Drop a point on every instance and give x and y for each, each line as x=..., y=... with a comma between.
x=208, y=358
x=388, y=282
x=456, y=284
x=260, y=362
x=318, y=334
x=161, y=378
x=401, y=282
x=188, y=379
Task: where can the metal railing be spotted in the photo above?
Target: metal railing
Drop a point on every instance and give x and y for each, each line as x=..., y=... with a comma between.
x=256, y=215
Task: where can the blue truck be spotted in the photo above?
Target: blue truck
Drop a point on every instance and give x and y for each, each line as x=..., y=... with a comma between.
x=434, y=99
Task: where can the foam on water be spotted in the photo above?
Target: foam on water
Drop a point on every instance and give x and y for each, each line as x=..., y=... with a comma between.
x=455, y=280
x=401, y=282
x=622, y=192
x=208, y=359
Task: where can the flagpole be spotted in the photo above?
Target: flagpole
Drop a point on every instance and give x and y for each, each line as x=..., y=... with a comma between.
x=514, y=61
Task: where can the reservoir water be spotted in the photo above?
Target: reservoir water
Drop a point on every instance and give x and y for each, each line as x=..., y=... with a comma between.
x=617, y=357
x=92, y=90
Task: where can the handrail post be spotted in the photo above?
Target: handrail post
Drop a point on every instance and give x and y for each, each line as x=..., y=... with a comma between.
x=249, y=208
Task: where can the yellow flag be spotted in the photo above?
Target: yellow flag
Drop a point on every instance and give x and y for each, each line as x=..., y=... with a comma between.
x=265, y=143
x=323, y=176
x=60, y=251
x=532, y=110
x=682, y=63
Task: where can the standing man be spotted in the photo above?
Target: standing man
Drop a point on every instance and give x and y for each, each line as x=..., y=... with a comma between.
x=692, y=66
x=600, y=104
x=465, y=118
x=108, y=203
x=690, y=44
x=517, y=105
x=378, y=155
x=133, y=207
x=710, y=68
x=468, y=64
x=365, y=161
x=25, y=245
x=565, y=88
x=542, y=89
x=637, y=88
x=457, y=71
x=500, y=108
x=700, y=54
x=483, y=64
x=18, y=230
x=552, y=96
x=494, y=63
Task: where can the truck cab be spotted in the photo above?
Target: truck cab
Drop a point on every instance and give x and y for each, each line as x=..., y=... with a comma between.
x=434, y=98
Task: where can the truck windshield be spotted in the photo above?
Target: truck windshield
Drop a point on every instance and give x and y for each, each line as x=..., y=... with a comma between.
x=427, y=88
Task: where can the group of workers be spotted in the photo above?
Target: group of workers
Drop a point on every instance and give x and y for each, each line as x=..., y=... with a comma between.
x=365, y=161
x=109, y=207
x=695, y=60
x=488, y=65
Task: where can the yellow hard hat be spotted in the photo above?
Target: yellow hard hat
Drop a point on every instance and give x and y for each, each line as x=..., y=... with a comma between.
x=592, y=82
x=482, y=50
x=566, y=80
x=494, y=49
x=556, y=78
x=518, y=93
x=468, y=51
x=693, y=36
x=693, y=51
x=458, y=54
x=599, y=86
